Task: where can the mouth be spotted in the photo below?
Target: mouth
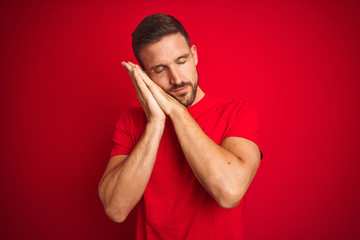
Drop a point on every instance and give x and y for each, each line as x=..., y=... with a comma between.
x=180, y=90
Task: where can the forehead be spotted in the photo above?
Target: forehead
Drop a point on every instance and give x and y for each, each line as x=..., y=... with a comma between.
x=165, y=51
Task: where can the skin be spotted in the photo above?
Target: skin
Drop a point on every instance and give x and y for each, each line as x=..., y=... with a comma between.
x=168, y=84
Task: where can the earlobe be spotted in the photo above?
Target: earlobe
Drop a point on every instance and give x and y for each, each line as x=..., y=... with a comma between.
x=194, y=54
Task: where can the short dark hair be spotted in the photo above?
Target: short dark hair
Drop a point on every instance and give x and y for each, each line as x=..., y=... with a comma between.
x=152, y=29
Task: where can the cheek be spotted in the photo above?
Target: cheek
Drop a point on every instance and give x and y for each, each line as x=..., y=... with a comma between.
x=193, y=73
x=188, y=70
x=162, y=81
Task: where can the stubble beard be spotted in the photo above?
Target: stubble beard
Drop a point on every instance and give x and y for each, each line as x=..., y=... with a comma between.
x=185, y=100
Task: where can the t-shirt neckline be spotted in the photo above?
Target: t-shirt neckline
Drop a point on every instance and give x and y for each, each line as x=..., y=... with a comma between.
x=200, y=103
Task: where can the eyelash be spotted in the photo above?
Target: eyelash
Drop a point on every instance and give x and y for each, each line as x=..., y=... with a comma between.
x=158, y=72
x=182, y=62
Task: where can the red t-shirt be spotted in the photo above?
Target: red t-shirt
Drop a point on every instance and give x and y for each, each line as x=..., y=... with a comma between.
x=174, y=204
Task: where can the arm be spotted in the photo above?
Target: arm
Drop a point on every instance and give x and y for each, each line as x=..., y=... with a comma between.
x=225, y=170
x=126, y=177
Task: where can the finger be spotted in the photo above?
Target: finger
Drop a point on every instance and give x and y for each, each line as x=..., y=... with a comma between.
x=129, y=69
x=132, y=64
x=135, y=81
x=143, y=75
x=142, y=87
x=138, y=79
x=147, y=80
x=144, y=82
x=126, y=65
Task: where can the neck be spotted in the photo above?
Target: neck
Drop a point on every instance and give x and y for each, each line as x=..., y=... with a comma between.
x=199, y=95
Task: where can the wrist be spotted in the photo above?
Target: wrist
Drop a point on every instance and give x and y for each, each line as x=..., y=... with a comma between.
x=178, y=112
x=156, y=125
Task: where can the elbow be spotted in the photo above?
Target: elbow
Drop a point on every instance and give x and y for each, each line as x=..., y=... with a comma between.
x=230, y=199
x=116, y=214
x=228, y=202
x=115, y=211
x=232, y=194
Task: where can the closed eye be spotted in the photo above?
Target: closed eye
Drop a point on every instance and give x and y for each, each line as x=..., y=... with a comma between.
x=159, y=69
x=182, y=61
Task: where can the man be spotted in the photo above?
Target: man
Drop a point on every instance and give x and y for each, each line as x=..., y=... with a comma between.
x=186, y=158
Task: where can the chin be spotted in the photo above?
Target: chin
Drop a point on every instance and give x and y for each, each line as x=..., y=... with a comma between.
x=187, y=101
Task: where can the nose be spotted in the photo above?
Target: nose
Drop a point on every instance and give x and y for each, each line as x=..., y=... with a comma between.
x=174, y=76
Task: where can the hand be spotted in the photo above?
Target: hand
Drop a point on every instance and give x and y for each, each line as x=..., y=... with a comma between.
x=166, y=102
x=151, y=108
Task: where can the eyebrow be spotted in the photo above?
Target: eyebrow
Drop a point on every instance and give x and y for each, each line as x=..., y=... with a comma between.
x=183, y=56
x=186, y=55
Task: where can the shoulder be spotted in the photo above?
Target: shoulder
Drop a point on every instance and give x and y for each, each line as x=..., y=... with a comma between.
x=232, y=103
x=136, y=112
x=133, y=112
x=238, y=111
x=131, y=117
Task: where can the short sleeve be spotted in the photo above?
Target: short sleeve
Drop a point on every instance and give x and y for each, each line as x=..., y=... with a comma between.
x=123, y=140
x=245, y=122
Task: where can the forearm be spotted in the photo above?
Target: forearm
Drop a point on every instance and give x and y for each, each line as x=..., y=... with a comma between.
x=123, y=186
x=224, y=175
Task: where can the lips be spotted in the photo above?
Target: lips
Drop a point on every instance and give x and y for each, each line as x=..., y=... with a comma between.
x=181, y=89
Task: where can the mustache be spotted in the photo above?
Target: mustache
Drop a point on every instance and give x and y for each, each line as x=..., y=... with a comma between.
x=176, y=86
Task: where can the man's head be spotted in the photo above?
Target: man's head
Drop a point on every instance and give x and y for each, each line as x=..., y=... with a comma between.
x=152, y=29
x=162, y=48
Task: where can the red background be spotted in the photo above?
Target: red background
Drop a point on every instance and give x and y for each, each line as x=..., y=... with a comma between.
x=62, y=89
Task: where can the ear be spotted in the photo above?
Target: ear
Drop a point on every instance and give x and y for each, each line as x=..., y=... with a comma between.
x=194, y=54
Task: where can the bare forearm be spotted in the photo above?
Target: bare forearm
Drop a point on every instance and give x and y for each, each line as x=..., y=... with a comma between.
x=123, y=186
x=223, y=170
x=222, y=173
